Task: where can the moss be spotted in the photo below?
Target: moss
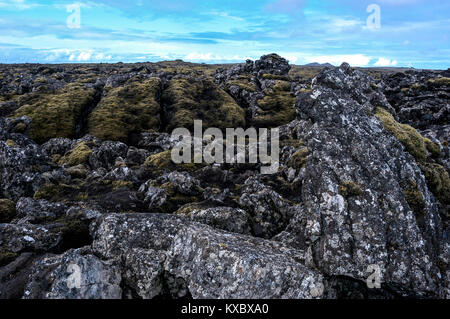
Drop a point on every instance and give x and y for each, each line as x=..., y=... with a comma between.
x=244, y=83
x=444, y=81
x=350, y=189
x=189, y=99
x=438, y=180
x=160, y=160
x=119, y=184
x=163, y=161
x=407, y=135
x=54, y=192
x=306, y=73
x=7, y=210
x=128, y=109
x=57, y=115
x=6, y=257
x=277, y=106
x=414, y=198
x=298, y=159
x=432, y=147
x=292, y=142
x=174, y=199
x=78, y=171
x=79, y=155
x=11, y=143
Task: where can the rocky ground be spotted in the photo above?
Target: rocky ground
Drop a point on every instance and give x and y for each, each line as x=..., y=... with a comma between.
x=87, y=181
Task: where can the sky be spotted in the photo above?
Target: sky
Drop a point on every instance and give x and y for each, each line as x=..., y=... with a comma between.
x=402, y=33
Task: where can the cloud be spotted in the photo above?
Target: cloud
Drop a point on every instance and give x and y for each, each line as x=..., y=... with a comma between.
x=210, y=57
x=385, y=62
x=352, y=59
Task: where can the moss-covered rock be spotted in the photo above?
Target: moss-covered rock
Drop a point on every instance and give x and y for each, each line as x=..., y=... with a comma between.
x=131, y=108
x=350, y=189
x=7, y=210
x=244, y=82
x=407, y=135
x=175, y=199
x=444, y=81
x=432, y=147
x=414, y=198
x=187, y=100
x=59, y=114
x=438, y=180
x=277, y=106
x=298, y=159
x=79, y=155
x=163, y=161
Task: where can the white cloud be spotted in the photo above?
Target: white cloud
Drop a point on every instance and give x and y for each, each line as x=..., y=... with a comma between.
x=352, y=59
x=385, y=62
x=195, y=56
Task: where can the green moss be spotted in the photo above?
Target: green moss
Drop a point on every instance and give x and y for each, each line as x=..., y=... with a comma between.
x=54, y=192
x=11, y=143
x=244, y=83
x=119, y=184
x=79, y=155
x=350, y=189
x=7, y=210
x=6, y=257
x=414, y=198
x=57, y=115
x=78, y=171
x=188, y=100
x=298, y=159
x=174, y=199
x=432, y=147
x=277, y=106
x=163, y=161
x=128, y=109
x=438, y=180
x=407, y=135
x=297, y=143
x=444, y=81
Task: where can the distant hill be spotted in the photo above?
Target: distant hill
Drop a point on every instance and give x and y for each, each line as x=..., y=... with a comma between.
x=319, y=64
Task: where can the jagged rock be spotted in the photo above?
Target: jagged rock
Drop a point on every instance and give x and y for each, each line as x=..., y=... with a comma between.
x=105, y=156
x=270, y=212
x=156, y=142
x=18, y=170
x=27, y=237
x=31, y=211
x=154, y=196
x=184, y=183
x=210, y=263
x=227, y=218
x=421, y=98
x=76, y=274
x=378, y=223
x=58, y=146
x=136, y=157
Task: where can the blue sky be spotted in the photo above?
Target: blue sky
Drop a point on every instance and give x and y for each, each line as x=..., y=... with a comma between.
x=412, y=32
